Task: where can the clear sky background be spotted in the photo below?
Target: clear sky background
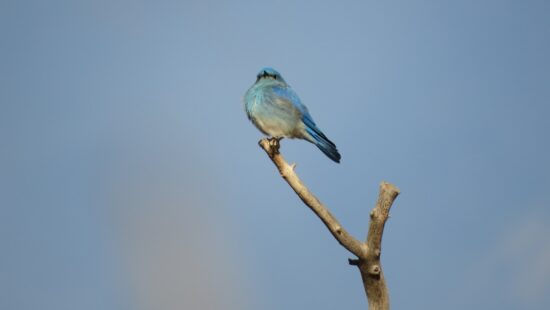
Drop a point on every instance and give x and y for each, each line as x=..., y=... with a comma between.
x=130, y=177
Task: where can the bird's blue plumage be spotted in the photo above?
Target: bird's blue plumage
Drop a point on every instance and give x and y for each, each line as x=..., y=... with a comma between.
x=277, y=111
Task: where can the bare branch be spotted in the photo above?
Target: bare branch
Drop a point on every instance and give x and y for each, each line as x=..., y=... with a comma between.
x=287, y=172
x=368, y=253
x=370, y=267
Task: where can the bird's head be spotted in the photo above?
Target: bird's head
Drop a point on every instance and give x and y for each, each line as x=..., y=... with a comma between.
x=269, y=74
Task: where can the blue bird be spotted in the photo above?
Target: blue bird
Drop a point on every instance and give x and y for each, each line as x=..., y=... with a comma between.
x=276, y=110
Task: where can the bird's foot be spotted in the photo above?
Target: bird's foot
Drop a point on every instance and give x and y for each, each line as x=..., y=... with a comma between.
x=274, y=144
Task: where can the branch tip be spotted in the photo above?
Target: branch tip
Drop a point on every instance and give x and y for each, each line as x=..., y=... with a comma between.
x=389, y=188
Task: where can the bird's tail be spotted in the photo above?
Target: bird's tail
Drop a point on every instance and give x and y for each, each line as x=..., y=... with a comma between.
x=323, y=143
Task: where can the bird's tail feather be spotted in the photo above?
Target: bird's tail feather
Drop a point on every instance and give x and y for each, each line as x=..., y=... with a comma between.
x=323, y=143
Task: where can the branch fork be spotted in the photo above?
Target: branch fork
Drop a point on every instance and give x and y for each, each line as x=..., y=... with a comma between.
x=367, y=253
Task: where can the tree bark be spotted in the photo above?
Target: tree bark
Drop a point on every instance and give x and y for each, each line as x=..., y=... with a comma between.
x=368, y=253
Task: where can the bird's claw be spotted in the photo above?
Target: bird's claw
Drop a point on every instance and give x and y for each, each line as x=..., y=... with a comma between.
x=274, y=144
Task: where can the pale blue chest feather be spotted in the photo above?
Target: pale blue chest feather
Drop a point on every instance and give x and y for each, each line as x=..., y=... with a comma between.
x=271, y=114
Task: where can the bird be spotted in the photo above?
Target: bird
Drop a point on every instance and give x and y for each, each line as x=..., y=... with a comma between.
x=277, y=111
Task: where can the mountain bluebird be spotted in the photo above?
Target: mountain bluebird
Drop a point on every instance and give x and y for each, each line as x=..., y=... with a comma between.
x=276, y=110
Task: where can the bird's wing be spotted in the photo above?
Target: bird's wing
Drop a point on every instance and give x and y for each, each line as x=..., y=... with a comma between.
x=288, y=96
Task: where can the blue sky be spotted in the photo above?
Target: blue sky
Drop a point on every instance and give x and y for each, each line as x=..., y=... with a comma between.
x=131, y=178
